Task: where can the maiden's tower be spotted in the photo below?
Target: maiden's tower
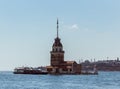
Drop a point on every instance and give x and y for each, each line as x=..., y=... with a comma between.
x=57, y=63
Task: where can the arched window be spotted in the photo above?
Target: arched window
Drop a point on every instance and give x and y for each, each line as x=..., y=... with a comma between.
x=53, y=50
x=56, y=50
x=60, y=49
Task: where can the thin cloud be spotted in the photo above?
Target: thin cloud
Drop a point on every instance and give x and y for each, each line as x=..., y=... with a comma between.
x=72, y=27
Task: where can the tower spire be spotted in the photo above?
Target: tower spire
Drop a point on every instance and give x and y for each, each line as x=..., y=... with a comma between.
x=57, y=28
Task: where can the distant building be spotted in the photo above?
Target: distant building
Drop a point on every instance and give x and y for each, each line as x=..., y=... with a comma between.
x=102, y=65
x=58, y=65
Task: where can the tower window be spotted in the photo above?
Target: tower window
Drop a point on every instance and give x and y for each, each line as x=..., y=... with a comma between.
x=53, y=49
x=60, y=49
x=56, y=50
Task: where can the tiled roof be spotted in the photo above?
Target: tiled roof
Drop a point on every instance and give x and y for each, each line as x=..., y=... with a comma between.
x=70, y=62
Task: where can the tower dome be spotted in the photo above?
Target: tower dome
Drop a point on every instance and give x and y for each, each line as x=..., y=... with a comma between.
x=57, y=43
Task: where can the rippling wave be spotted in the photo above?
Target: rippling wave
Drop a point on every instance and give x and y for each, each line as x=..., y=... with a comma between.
x=105, y=80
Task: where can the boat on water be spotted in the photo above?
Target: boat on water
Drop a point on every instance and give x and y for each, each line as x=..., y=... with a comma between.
x=94, y=72
x=89, y=73
x=30, y=70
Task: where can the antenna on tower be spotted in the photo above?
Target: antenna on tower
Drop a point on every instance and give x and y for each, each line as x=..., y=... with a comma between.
x=57, y=28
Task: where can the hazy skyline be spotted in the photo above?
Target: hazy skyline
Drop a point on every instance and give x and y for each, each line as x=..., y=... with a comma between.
x=88, y=29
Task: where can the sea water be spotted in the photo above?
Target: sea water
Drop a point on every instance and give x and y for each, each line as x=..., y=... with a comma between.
x=104, y=80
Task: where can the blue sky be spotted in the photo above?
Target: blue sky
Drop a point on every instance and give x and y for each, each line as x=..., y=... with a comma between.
x=88, y=29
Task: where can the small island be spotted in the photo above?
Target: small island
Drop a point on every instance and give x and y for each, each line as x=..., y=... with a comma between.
x=58, y=65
